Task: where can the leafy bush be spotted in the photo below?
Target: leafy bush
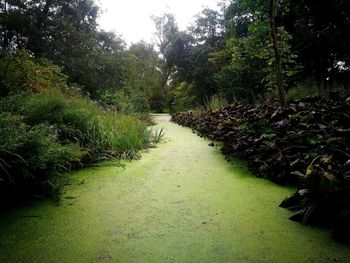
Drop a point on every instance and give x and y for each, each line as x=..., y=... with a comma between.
x=215, y=102
x=183, y=98
x=21, y=73
x=30, y=154
x=126, y=101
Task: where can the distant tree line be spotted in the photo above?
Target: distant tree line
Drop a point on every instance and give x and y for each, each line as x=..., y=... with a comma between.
x=66, y=32
x=231, y=52
x=247, y=51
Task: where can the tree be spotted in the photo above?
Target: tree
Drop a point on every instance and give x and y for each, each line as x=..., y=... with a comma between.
x=278, y=66
x=66, y=32
x=166, y=32
x=144, y=70
x=207, y=27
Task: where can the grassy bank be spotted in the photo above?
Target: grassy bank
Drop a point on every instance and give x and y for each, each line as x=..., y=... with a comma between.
x=47, y=127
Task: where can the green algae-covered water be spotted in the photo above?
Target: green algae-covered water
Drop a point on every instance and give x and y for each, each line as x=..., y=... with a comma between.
x=182, y=202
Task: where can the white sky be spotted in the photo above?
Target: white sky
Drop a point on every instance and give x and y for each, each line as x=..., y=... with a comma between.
x=131, y=18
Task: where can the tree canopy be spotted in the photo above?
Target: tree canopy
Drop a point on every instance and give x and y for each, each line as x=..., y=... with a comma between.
x=234, y=52
x=237, y=52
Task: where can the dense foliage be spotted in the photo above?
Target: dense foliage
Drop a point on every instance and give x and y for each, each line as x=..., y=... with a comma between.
x=67, y=33
x=306, y=144
x=230, y=53
x=47, y=127
x=227, y=52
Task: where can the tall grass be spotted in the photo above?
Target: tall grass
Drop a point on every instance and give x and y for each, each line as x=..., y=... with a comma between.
x=157, y=134
x=42, y=134
x=215, y=102
x=79, y=120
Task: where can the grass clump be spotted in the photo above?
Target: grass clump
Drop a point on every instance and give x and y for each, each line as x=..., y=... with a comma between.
x=157, y=134
x=215, y=102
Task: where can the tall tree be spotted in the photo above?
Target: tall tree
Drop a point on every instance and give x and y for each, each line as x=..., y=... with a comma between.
x=208, y=26
x=66, y=32
x=144, y=69
x=275, y=44
x=166, y=32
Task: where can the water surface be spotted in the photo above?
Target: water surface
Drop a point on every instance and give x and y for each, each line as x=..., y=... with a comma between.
x=182, y=202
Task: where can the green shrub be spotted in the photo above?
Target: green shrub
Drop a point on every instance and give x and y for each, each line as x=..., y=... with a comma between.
x=215, y=102
x=183, y=98
x=126, y=101
x=21, y=73
x=31, y=153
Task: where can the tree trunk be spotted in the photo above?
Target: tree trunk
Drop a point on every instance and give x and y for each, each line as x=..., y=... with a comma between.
x=278, y=67
x=5, y=41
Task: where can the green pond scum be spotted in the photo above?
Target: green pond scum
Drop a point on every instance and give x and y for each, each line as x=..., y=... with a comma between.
x=182, y=202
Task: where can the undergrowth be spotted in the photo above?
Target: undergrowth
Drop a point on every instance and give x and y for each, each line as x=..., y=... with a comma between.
x=48, y=128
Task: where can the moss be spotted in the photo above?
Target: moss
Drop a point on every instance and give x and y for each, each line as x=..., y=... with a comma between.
x=182, y=202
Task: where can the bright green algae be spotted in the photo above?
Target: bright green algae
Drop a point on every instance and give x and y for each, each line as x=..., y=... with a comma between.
x=182, y=202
